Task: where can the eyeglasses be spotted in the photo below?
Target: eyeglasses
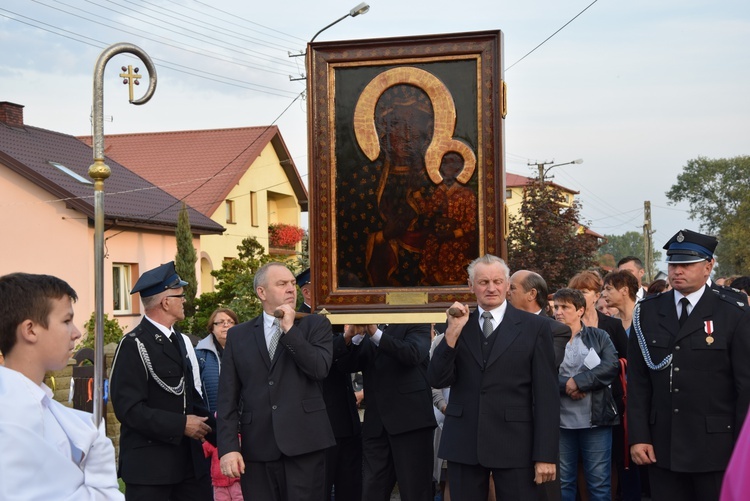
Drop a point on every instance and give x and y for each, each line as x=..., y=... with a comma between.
x=228, y=323
x=177, y=295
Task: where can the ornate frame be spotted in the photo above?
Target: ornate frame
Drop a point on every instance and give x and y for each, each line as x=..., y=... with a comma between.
x=461, y=75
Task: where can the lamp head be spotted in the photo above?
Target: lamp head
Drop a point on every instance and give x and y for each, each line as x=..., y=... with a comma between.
x=577, y=161
x=359, y=9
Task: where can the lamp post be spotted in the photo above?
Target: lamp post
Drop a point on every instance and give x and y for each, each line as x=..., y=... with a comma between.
x=543, y=172
x=362, y=8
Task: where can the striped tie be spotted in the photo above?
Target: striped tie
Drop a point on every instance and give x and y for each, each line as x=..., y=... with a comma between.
x=487, y=324
x=274, y=342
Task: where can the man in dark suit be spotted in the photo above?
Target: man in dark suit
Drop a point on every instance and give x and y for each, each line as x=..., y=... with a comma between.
x=688, y=376
x=399, y=421
x=528, y=292
x=271, y=369
x=344, y=459
x=503, y=415
x=163, y=417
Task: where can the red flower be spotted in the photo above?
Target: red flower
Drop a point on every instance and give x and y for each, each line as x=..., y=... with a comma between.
x=284, y=236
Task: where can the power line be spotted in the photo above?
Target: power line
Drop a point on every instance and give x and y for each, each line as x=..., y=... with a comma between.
x=167, y=64
x=174, y=44
x=203, y=22
x=192, y=34
x=553, y=34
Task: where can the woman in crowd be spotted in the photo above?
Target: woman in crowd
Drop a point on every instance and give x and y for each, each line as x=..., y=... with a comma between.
x=590, y=285
x=587, y=408
x=210, y=349
x=657, y=286
x=619, y=291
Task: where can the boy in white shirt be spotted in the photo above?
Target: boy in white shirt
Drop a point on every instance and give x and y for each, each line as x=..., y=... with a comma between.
x=49, y=451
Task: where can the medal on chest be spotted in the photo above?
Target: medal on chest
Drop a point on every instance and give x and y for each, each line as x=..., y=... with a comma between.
x=708, y=327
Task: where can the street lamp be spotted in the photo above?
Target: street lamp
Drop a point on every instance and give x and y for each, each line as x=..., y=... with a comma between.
x=543, y=172
x=362, y=8
x=359, y=9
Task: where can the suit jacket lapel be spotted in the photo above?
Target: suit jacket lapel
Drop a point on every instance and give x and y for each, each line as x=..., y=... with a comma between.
x=505, y=333
x=473, y=337
x=668, y=314
x=162, y=342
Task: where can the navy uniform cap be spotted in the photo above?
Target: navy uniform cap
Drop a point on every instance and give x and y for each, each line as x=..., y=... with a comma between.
x=303, y=278
x=690, y=247
x=161, y=278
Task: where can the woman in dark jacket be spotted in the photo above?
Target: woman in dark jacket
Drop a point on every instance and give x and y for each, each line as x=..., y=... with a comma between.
x=587, y=409
x=210, y=349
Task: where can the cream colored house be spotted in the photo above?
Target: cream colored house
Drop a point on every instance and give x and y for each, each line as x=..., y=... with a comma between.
x=242, y=178
x=47, y=215
x=515, y=186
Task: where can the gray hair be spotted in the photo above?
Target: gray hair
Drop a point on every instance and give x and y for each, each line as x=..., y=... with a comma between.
x=488, y=259
x=259, y=280
x=150, y=302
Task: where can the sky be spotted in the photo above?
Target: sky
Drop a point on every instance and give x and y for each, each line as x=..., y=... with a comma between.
x=635, y=89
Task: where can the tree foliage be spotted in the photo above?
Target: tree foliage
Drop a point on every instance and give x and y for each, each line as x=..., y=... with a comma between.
x=718, y=191
x=628, y=244
x=234, y=286
x=185, y=264
x=113, y=332
x=547, y=237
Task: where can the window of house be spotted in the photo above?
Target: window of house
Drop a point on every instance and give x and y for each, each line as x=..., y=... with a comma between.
x=71, y=173
x=254, y=208
x=230, y=211
x=121, y=284
x=508, y=193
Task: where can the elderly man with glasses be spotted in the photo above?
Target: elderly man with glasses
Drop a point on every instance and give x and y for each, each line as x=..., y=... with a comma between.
x=156, y=396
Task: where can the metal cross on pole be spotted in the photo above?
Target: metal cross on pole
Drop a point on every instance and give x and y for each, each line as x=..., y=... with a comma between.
x=99, y=171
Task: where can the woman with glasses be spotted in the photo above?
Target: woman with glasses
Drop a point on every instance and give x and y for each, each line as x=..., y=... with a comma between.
x=210, y=349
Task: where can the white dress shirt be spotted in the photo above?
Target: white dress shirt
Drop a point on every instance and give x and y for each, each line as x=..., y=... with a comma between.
x=50, y=451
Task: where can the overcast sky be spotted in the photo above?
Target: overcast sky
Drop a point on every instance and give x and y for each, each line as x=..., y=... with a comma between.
x=633, y=88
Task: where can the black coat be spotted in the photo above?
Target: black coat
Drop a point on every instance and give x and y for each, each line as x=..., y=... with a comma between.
x=691, y=411
x=507, y=414
x=153, y=447
x=283, y=408
x=397, y=395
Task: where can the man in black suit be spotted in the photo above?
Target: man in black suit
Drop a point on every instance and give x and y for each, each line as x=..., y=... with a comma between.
x=344, y=459
x=688, y=376
x=163, y=417
x=399, y=421
x=271, y=369
x=528, y=292
x=503, y=415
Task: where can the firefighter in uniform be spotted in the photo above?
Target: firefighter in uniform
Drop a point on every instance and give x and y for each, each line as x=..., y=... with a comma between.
x=688, y=375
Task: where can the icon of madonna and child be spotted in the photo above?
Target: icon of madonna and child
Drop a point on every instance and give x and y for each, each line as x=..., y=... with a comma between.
x=409, y=216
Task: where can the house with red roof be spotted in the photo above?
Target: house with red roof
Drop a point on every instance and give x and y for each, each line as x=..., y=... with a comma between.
x=515, y=186
x=241, y=178
x=47, y=217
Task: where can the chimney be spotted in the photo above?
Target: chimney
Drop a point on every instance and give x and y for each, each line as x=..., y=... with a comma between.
x=11, y=114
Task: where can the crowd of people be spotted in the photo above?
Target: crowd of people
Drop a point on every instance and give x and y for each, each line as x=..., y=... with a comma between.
x=606, y=389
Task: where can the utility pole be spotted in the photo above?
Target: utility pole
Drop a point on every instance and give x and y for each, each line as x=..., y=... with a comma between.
x=648, y=246
x=543, y=172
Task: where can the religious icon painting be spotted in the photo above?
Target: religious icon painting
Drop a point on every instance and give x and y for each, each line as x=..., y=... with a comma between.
x=406, y=169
